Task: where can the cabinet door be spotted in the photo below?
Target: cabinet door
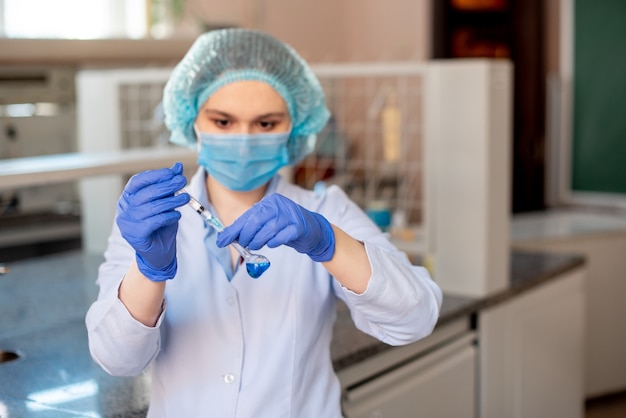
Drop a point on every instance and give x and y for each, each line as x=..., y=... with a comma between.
x=605, y=368
x=438, y=385
x=531, y=353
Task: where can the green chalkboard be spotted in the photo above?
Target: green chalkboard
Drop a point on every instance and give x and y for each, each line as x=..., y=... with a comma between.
x=599, y=123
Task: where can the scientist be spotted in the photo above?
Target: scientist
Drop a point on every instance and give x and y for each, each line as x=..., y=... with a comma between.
x=173, y=294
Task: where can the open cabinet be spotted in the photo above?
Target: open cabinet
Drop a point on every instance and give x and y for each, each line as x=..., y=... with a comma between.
x=512, y=29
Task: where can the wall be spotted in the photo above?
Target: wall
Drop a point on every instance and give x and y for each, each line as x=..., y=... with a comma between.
x=330, y=31
x=315, y=29
x=387, y=30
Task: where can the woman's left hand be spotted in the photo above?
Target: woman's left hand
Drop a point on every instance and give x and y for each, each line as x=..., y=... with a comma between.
x=277, y=220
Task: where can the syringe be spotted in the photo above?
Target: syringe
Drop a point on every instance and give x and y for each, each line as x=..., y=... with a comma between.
x=256, y=264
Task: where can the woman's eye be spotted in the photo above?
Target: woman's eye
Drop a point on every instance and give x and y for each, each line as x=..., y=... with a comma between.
x=221, y=123
x=267, y=125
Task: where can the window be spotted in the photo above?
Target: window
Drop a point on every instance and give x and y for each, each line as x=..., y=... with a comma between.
x=73, y=19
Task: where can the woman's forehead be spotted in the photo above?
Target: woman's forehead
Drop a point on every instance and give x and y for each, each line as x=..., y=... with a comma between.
x=246, y=96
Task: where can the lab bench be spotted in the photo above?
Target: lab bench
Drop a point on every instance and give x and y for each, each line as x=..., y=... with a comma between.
x=78, y=167
x=44, y=301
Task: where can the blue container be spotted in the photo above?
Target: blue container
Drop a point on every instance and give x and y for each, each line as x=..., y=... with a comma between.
x=379, y=213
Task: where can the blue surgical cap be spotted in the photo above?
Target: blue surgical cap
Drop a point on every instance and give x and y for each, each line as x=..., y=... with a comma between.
x=220, y=57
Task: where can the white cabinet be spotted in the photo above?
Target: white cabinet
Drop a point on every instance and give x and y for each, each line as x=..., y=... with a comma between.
x=438, y=383
x=439, y=386
x=601, y=239
x=467, y=142
x=532, y=352
x=518, y=356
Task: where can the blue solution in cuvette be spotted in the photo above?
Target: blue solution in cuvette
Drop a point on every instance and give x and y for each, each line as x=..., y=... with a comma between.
x=255, y=270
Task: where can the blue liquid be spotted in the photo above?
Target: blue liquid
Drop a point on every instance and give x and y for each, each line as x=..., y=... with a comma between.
x=256, y=269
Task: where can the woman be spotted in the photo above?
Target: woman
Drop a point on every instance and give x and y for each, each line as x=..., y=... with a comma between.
x=173, y=293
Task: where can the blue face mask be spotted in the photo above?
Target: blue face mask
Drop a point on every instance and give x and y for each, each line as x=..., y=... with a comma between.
x=243, y=162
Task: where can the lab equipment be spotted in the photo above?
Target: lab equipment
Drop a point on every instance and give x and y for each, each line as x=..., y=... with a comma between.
x=256, y=264
x=148, y=221
x=391, y=119
x=379, y=212
x=280, y=221
x=220, y=57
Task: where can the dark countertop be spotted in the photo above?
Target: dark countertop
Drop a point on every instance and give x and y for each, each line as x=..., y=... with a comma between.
x=527, y=269
x=43, y=302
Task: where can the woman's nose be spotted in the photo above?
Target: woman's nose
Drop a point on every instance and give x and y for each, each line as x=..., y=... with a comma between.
x=243, y=129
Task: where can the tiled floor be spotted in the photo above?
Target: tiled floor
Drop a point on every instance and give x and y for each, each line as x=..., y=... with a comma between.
x=608, y=407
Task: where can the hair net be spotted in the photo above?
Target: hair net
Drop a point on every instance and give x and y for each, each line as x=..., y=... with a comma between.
x=224, y=56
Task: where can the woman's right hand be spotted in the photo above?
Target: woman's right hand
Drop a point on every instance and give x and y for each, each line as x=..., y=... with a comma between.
x=148, y=221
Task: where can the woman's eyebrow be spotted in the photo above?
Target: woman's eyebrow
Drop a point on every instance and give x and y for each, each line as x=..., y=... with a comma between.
x=227, y=115
x=219, y=112
x=272, y=115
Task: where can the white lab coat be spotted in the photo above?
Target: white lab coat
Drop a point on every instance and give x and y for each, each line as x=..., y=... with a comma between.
x=255, y=348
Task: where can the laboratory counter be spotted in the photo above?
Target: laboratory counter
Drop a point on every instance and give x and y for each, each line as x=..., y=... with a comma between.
x=43, y=302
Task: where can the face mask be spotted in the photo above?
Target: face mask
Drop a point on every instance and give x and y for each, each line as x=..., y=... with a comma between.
x=243, y=162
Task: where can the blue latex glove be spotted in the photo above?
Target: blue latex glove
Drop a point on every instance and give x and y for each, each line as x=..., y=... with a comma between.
x=147, y=219
x=275, y=221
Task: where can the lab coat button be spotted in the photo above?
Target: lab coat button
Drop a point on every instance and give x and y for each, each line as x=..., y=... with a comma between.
x=229, y=378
